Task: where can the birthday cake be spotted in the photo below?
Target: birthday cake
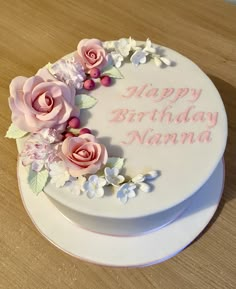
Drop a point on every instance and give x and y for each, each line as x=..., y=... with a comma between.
x=118, y=131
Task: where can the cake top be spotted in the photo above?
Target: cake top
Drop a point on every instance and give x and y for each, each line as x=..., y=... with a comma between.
x=118, y=120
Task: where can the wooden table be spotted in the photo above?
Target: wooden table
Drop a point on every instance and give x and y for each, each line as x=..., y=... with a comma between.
x=32, y=33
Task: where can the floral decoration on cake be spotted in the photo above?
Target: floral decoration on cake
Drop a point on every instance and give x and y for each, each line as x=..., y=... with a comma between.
x=46, y=112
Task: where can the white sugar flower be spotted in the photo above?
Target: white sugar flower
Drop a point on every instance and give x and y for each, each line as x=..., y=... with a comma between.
x=144, y=187
x=138, y=57
x=38, y=152
x=123, y=47
x=149, y=47
x=59, y=174
x=109, y=45
x=51, y=135
x=76, y=186
x=159, y=60
x=94, y=186
x=132, y=44
x=166, y=61
x=152, y=175
x=69, y=71
x=112, y=176
x=139, y=180
x=117, y=58
x=126, y=192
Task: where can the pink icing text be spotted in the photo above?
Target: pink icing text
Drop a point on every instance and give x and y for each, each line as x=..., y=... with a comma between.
x=159, y=94
x=165, y=115
x=172, y=110
x=150, y=137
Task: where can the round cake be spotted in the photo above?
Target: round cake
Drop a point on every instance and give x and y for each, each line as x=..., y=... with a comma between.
x=118, y=131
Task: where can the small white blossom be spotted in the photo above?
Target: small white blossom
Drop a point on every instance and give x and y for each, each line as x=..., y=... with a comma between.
x=132, y=44
x=123, y=47
x=144, y=187
x=138, y=179
x=126, y=192
x=109, y=45
x=76, y=186
x=157, y=61
x=58, y=173
x=152, y=175
x=165, y=60
x=148, y=47
x=112, y=176
x=94, y=186
x=117, y=58
x=138, y=57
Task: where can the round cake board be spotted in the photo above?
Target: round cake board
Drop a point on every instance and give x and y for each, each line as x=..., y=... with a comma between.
x=143, y=250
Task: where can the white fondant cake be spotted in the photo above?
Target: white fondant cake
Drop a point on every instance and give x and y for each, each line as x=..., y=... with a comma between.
x=161, y=122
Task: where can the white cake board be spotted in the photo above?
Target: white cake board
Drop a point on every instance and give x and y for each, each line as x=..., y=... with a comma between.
x=143, y=250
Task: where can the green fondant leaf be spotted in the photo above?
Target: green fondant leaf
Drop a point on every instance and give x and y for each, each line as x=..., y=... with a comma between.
x=112, y=71
x=75, y=131
x=85, y=101
x=115, y=163
x=15, y=132
x=37, y=180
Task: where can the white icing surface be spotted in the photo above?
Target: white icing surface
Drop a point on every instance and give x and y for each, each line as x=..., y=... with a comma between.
x=184, y=167
x=120, y=227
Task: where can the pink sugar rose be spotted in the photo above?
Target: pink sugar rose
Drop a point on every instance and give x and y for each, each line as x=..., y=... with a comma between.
x=38, y=104
x=92, y=54
x=83, y=155
x=45, y=74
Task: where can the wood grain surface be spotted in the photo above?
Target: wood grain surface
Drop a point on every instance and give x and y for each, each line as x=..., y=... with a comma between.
x=32, y=33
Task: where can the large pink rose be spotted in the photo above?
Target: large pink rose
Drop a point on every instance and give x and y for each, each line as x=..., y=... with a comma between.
x=92, y=54
x=83, y=155
x=38, y=104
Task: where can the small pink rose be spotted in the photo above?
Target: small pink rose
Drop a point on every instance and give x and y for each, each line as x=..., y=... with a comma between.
x=92, y=54
x=38, y=104
x=83, y=155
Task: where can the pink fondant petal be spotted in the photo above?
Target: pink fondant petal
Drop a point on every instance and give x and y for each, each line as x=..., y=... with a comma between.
x=95, y=41
x=70, y=144
x=83, y=171
x=31, y=82
x=45, y=74
x=43, y=103
x=50, y=116
x=32, y=123
x=16, y=91
x=49, y=87
x=104, y=155
x=16, y=85
x=89, y=137
x=65, y=112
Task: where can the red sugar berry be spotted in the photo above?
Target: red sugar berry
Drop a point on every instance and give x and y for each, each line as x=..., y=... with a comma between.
x=89, y=84
x=106, y=80
x=74, y=122
x=95, y=72
x=85, y=130
x=68, y=134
